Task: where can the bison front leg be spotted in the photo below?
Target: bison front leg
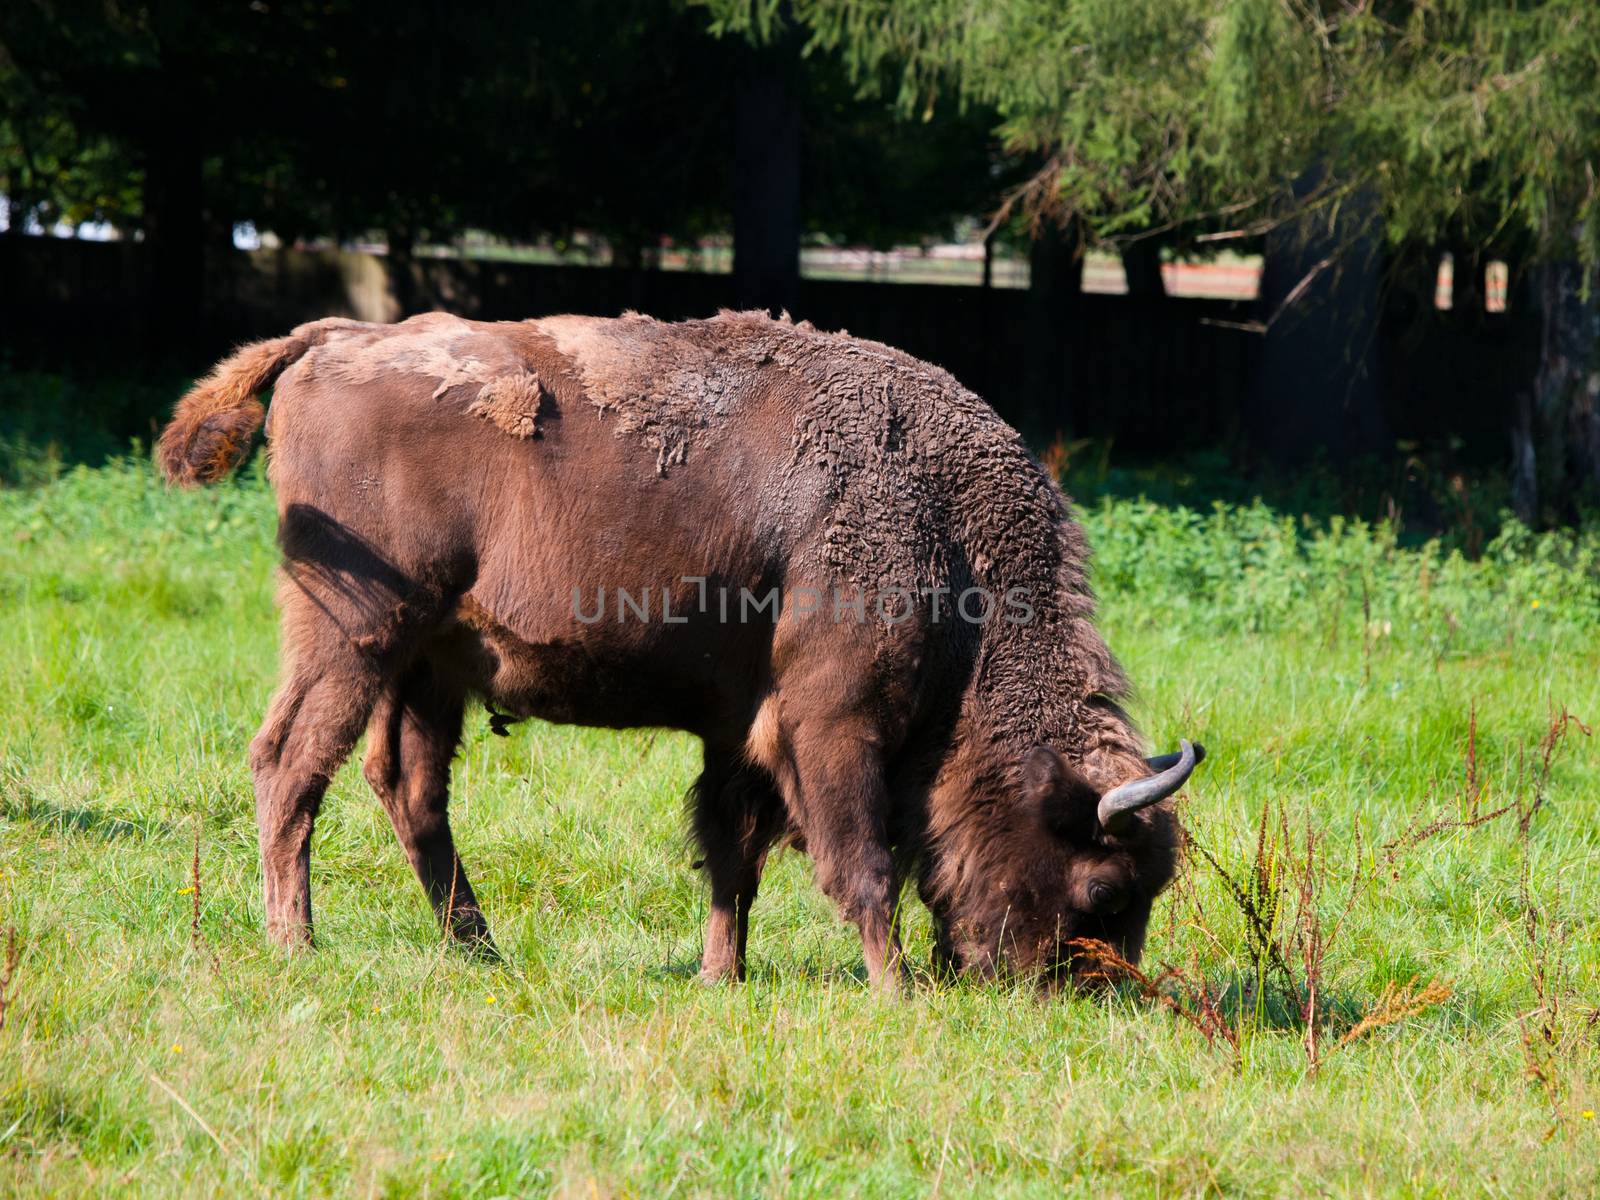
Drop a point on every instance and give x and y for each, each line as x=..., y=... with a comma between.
x=838, y=798
x=411, y=741
x=737, y=816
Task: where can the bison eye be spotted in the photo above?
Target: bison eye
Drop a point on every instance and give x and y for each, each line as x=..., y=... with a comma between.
x=1104, y=897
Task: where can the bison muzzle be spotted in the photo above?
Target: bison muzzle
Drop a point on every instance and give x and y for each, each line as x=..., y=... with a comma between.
x=827, y=559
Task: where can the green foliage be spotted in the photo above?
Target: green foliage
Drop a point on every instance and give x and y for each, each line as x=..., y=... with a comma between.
x=314, y=119
x=1366, y=686
x=1251, y=569
x=50, y=421
x=1465, y=118
x=51, y=173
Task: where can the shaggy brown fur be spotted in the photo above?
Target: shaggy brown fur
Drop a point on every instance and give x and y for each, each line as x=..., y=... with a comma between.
x=429, y=557
x=512, y=403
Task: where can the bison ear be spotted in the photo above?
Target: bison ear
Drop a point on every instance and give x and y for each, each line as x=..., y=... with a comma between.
x=1043, y=772
x=1058, y=795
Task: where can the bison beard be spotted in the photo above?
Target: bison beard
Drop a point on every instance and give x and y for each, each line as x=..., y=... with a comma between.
x=446, y=487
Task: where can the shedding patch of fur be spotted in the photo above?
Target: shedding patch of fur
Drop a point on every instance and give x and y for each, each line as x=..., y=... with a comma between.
x=213, y=424
x=436, y=346
x=636, y=371
x=511, y=402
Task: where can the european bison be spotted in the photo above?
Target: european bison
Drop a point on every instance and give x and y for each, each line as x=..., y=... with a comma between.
x=827, y=559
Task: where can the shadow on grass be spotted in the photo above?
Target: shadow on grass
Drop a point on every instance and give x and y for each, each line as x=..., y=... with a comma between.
x=43, y=814
x=1242, y=1002
x=768, y=973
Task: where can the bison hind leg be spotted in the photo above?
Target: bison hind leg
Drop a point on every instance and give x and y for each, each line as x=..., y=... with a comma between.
x=310, y=728
x=411, y=740
x=352, y=622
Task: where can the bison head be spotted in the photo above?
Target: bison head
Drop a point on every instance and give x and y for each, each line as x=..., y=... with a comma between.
x=1061, y=863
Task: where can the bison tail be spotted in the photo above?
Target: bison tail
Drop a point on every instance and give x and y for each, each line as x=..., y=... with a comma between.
x=214, y=423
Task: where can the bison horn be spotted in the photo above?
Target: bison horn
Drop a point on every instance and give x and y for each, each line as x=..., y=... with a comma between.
x=1172, y=770
x=1163, y=762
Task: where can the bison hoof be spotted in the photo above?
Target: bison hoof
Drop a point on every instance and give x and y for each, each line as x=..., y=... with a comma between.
x=290, y=935
x=711, y=976
x=470, y=932
x=480, y=947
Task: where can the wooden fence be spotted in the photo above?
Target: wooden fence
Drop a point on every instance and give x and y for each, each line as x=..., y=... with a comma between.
x=1156, y=375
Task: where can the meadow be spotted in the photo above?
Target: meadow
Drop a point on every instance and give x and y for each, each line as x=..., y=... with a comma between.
x=1377, y=974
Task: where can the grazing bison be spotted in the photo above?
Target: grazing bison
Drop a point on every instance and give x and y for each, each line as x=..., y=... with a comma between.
x=831, y=562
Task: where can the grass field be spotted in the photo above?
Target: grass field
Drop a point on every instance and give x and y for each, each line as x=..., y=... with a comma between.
x=1380, y=698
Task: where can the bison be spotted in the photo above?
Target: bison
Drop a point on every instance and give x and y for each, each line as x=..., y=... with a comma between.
x=825, y=558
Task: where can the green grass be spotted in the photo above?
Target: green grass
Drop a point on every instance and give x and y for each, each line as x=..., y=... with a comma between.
x=1329, y=672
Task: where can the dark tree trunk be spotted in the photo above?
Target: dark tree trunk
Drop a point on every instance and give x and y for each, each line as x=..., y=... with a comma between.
x=16, y=209
x=1556, y=441
x=766, y=183
x=1466, y=282
x=175, y=232
x=1316, y=391
x=627, y=251
x=1141, y=264
x=1055, y=282
x=402, y=265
